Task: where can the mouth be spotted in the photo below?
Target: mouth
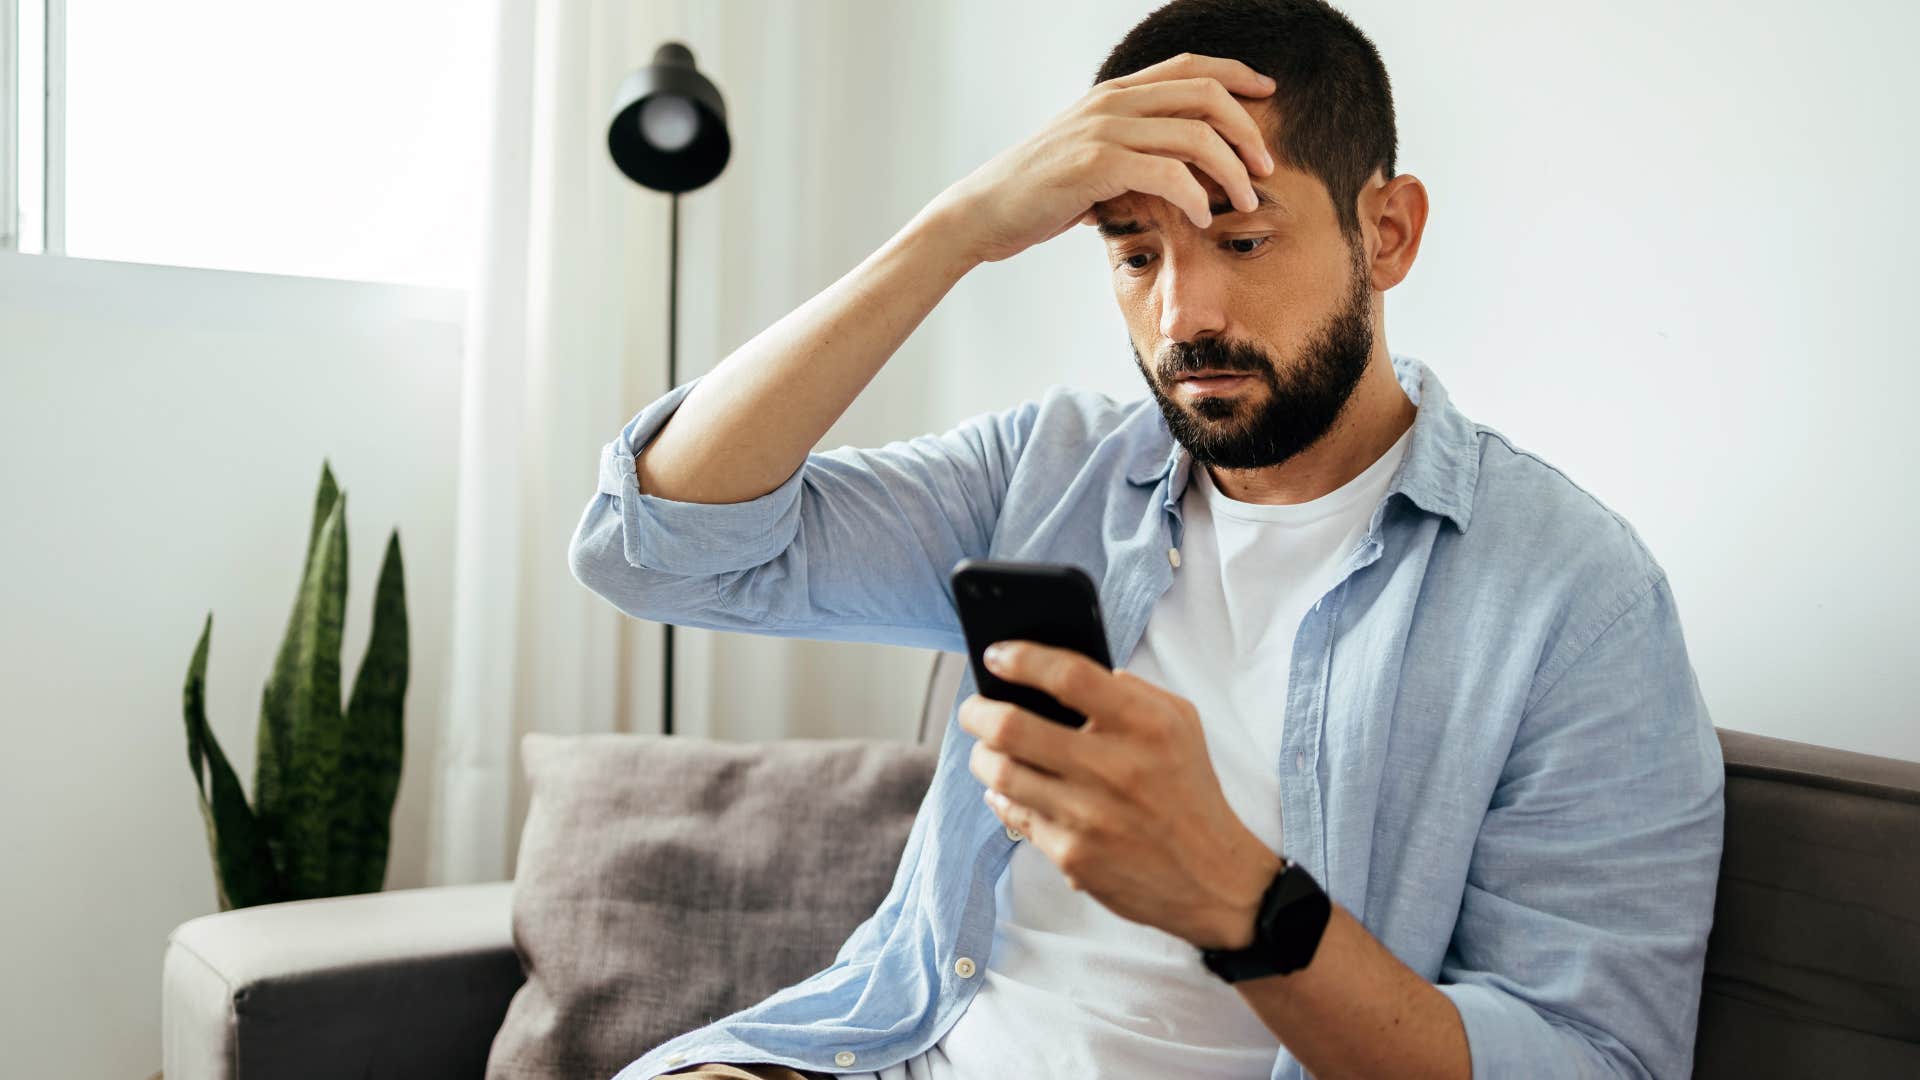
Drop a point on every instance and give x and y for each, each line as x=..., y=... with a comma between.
x=1207, y=381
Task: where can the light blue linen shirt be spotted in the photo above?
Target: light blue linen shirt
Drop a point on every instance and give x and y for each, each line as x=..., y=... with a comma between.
x=1495, y=756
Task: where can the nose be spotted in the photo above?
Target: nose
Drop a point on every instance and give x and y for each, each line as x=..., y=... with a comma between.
x=1192, y=298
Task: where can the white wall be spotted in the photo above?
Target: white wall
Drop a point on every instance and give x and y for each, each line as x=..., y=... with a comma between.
x=1662, y=253
x=162, y=431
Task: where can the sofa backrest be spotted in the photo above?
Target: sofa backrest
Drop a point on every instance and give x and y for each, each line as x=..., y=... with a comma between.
x=943, y=683
x=1813, y=964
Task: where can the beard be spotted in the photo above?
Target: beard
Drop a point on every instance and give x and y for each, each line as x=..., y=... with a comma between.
x=1242, y=430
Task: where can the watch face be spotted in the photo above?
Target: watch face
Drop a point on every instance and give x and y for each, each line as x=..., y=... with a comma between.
x=1293, y=914
x=1292, y=918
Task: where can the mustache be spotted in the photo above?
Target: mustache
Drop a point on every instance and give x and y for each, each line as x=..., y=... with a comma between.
x=1184, y=360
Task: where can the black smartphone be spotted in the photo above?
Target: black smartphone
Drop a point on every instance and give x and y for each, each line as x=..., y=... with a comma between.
x=1051, y=603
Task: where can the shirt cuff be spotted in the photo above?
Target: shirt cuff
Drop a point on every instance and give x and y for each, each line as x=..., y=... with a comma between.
x=692, y=538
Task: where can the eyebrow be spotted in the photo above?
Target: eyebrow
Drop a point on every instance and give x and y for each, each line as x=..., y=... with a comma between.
x=1266, y=201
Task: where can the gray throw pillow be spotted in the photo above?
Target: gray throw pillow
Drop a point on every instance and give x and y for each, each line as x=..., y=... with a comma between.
x=664, y=882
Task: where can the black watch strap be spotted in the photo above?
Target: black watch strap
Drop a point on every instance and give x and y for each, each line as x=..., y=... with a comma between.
x=1286, y=931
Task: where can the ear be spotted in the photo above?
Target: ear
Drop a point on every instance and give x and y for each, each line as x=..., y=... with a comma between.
x=1395, y=214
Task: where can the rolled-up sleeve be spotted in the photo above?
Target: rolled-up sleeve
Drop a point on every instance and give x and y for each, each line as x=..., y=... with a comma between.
x=855, y=545
x=1582, y=934
x=684, y=537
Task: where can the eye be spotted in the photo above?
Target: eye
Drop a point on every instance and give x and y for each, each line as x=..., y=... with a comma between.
x=1134, y=269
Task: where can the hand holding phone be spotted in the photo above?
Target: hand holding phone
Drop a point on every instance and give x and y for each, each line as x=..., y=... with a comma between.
x=1051, y=603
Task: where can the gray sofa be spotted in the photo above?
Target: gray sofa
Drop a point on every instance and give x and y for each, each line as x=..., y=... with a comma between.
x=1813, y=967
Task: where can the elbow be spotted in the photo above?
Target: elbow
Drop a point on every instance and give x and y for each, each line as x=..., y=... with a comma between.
x=596, y=553
x=580, y=563
x=597, y=558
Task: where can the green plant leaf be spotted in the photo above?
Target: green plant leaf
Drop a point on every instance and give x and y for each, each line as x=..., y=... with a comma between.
x=194, y=704
x=313, y=711
x=322, y=506
x=272, y=758
x=375, y=738
x=243, y=867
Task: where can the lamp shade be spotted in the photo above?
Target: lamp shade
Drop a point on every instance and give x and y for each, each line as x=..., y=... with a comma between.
x=669, y=126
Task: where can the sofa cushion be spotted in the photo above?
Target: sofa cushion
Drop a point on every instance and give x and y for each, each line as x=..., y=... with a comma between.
x=664, y=882
x=1813, y=966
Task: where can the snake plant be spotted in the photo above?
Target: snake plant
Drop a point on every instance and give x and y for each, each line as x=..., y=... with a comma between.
x=324, y=777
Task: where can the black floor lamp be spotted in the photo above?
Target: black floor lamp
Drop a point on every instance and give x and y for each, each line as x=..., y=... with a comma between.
x=669, y=133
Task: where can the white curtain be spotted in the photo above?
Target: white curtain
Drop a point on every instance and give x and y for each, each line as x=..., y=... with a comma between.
x=549, y=376
x=846, y=117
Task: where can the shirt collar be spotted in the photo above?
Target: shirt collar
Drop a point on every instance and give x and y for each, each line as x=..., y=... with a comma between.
x=1439, y=473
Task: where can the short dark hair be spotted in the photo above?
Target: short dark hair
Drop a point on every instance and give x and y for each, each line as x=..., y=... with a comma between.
x=1333, y=100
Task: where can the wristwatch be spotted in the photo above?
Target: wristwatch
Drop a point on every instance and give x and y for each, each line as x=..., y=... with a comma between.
x=1286, y=931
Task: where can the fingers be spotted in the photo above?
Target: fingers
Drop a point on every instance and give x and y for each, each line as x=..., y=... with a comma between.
x=1208, y=100
x=1128, y=170
x=1071, y=677
x=1009, y=729
x=1039, y=793
x=1194, y=141
x=1235, y=75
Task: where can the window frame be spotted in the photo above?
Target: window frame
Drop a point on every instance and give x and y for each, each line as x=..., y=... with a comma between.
x=52, y=45
x=53, y=184
x=9, y=125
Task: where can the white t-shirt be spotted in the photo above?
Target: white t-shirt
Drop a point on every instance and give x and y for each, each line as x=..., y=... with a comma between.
x=1071, y=989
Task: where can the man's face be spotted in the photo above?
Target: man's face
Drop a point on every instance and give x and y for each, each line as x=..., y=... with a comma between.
x=1276, y=295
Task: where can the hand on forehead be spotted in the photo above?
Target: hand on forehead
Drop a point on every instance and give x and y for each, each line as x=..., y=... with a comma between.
x=1133, y=205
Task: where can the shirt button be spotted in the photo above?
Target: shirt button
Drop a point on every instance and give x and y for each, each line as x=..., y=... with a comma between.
x=1300, y=761
x=1173, y=556
x=963, y=967
x=674, y=1059
x=1013, y=834
x=844, y=1057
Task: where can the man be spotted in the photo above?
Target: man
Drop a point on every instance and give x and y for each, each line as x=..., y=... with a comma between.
x=1404, y=770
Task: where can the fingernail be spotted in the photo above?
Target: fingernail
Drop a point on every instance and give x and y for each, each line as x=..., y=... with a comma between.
x=995, y=655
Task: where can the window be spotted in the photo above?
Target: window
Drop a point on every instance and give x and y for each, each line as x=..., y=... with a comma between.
x=342, y=140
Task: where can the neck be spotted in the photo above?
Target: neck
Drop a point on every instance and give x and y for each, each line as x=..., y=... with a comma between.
x=1375, y=417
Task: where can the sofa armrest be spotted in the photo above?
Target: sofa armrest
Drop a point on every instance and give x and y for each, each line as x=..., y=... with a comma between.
x=407, y=983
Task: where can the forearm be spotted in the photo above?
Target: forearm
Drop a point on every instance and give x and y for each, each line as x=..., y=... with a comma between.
x=753, y=419
x=1356, y=1010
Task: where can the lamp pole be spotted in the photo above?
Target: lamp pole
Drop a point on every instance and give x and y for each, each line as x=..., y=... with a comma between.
x=673, y=380
x=669, y=133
